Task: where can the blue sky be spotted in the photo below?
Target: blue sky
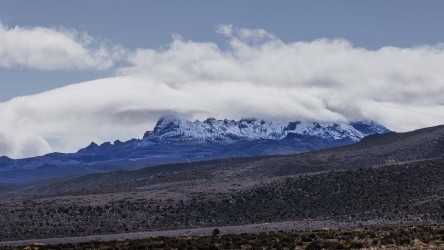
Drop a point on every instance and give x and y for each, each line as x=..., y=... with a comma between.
x=150, y=24
x=72, y=72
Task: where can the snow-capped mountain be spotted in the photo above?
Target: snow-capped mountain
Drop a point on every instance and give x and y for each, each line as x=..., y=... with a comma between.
x=230, y=131
x=176, y=140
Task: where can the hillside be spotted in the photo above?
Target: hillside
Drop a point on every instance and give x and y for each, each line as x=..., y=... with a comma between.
x=175, y=140
x=390, y=178
x=389, y=148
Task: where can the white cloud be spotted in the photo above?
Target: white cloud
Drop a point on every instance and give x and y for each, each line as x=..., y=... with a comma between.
x=257, y=76
x=54, y=49
x=23, y=144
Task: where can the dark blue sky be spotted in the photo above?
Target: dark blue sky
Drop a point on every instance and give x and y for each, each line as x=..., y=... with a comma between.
x=150, y=24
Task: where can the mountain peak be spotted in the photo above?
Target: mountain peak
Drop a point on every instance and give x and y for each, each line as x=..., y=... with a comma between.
x=5, y=158
x=91, y=146
x=229, y=131
x=179, y=140
x=166, y=122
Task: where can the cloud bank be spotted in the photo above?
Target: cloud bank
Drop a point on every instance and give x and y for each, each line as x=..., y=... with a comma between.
x=257, y=75
x=54, y=49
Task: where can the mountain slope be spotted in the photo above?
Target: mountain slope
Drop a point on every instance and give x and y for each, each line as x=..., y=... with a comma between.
x=229, y=131
x=377, y=150
x=389, y=179
x=175, y=140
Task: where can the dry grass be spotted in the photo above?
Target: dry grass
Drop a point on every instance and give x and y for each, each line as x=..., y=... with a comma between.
x=406, y=237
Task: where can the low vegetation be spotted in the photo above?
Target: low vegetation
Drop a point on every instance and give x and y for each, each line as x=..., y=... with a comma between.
x=407, y=237
x=399, y=193
x=388, y=179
